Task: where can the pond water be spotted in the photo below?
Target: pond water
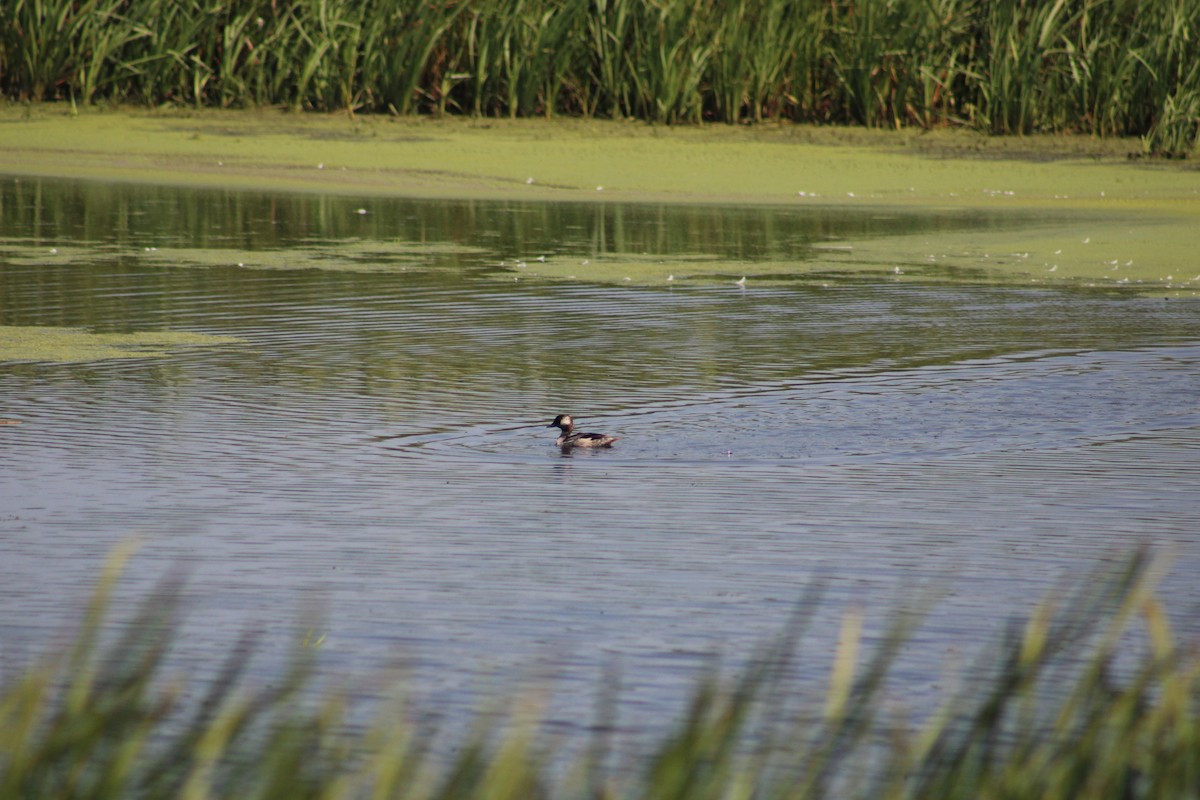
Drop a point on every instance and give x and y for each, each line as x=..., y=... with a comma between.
x=372, y=440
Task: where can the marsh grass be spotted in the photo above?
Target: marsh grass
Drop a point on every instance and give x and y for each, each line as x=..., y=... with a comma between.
x=1103, y=67
x=1091, y=696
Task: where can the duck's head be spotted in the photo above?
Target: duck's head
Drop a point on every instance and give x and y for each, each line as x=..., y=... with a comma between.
x=563, y=421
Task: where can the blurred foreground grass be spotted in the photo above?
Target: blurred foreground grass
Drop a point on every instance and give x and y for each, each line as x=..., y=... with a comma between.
x=1092, y=696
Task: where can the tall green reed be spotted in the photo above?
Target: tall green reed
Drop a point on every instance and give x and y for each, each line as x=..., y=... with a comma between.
x=672, y=53
x=1105, y=67
x=756, y=46
x=516, y=59
x=1090, y=696
x=57, y=47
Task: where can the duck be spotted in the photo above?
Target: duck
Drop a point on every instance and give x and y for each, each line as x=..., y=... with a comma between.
x=570, y=439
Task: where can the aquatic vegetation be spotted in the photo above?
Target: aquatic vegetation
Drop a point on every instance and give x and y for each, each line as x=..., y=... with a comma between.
x=1090, y=696
x=1103, y=67
x=620, y=268
x=1130, y=257
x=359, y=256
x=1126, y=253
x=75, y=345
x=1142, y=233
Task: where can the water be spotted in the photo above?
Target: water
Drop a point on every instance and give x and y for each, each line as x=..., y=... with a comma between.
x=376, y=444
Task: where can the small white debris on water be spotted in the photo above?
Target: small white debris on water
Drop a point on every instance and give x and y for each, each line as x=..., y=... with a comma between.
x=599, y=188
x=54, y=251
x=529, y=180
x=897, y=270
x=361, y=211
x=542, y=259
x=321, y=166
x=849, y=194
x=670, y=277
x=742, y=282
x=585, y=262
x=1057, y=252
x=1087, y=239
x=1054, y=268
x=220, y=163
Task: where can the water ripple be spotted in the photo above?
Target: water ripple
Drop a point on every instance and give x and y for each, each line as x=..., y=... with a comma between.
x=377, y=446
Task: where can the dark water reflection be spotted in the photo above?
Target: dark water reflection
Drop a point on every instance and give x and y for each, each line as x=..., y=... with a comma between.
x=377, y=446
x=52, y=212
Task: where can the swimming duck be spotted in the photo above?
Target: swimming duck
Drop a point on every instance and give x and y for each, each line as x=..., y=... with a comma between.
x=568, y=439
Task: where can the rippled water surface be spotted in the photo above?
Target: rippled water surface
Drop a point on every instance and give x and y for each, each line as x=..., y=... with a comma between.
x=374, y=443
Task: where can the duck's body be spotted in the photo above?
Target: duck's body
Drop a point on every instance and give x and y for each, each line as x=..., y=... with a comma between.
x=570, y=439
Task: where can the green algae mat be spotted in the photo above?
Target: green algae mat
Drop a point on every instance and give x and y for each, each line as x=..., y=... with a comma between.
x=76, y=345
x=1138, y=222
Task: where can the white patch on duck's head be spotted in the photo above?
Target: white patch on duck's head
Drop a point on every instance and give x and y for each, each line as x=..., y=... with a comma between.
x=562, y=421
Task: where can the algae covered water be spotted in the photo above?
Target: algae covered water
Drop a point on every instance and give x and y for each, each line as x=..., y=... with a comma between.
x=315, y=402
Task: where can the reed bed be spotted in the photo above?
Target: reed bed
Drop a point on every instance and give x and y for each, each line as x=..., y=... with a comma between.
x=1102, y=67
x=1090, y=696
